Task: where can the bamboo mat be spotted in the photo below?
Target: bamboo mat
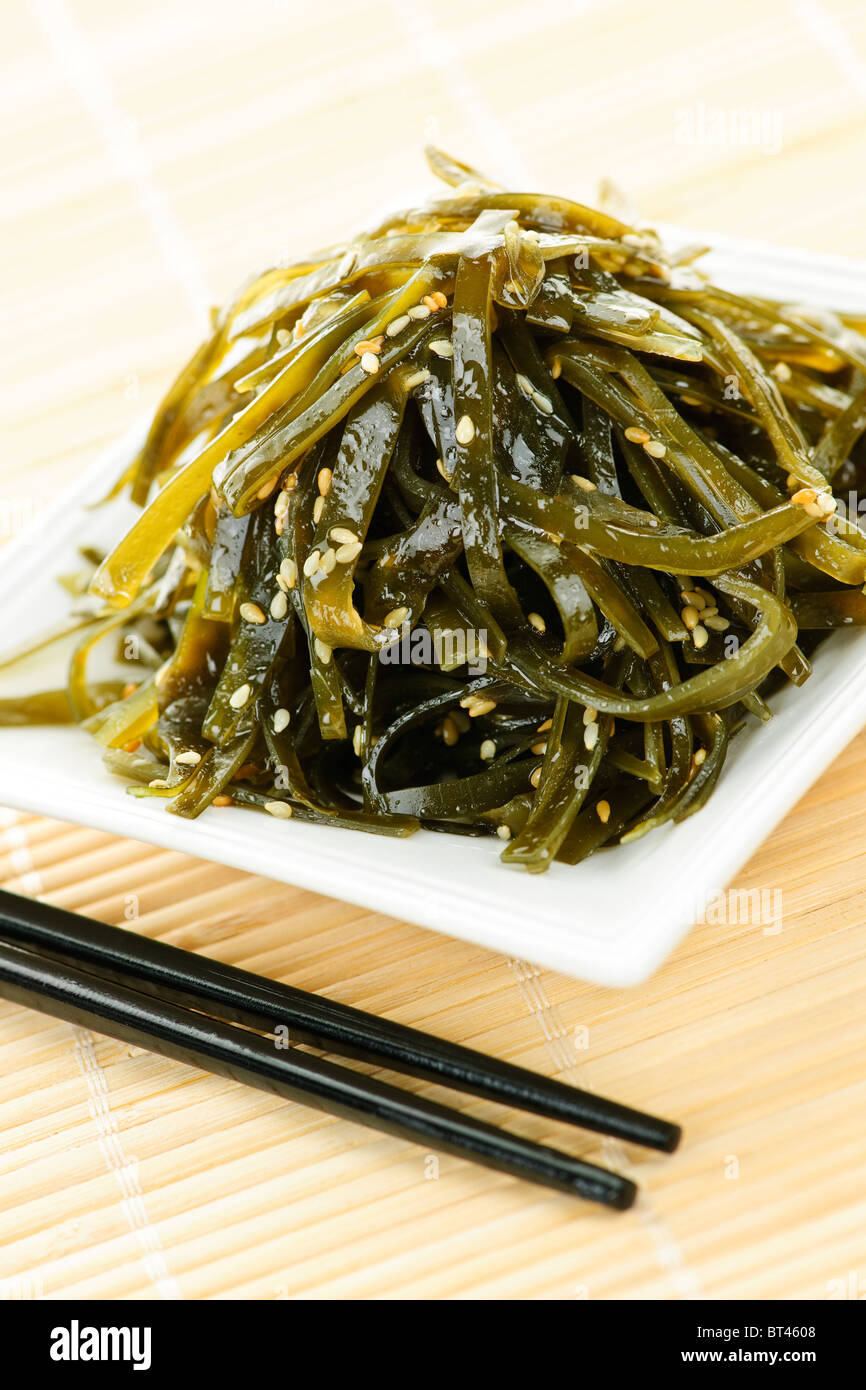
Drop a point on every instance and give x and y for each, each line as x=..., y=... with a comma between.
x=156, y=154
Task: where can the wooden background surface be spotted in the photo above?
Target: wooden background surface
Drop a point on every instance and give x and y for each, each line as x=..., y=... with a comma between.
x=153, y=156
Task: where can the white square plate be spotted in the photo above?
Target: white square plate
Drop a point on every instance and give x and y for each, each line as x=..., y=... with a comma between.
x=611, y=920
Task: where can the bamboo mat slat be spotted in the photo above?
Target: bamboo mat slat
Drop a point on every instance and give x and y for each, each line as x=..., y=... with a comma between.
x=159, y=154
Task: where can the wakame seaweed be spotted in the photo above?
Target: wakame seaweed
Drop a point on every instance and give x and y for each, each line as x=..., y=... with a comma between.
x=498, y=519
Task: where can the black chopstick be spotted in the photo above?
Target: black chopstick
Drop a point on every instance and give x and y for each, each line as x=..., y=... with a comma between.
x=91, y=1001
x=189, y=980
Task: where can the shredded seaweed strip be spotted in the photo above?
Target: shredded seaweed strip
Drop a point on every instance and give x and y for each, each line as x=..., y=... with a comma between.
x=497, y=520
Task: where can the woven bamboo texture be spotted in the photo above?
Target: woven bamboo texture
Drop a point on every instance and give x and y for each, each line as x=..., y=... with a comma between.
x=154, y=155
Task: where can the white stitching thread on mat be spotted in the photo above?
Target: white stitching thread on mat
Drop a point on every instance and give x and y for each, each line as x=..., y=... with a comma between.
x=123, y=1167
x=434, y=50
x=826, y=30
x=668, y=1252
x=79, y=62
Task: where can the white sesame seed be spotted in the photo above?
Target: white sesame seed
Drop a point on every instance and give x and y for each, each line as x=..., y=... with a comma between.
x=342, y=535
x=504, y=832
x=602, y=810
x=281, y=809
x=358, y=739
x=465, y=432
x=239, y=697
x=281, y=506
x=397, y=326
x=323, y=651
x=328, y=560
x=535, y=777
x=655, y=449
x=279, y=606
x=251, y=613
x=694, y=597
x=691, y=617
x=348, y=552
x=637, y=435
x=442, y=347
x=590, y=714
x=544, y=403
x=700, y=636
x=537, y=622
x=289, y=573
x=590, y=737
x=157, y=782
x=585, y=484
x=715, y=623
x=281, y=720
x=419, y=311
x=311, y=564
x=189, y=759
x=479, y=707
x=440, y=468
x=417, y=378
x=323, y=481
x=525, y=384
x=488, y=749
x=396, y=617
x=318, y=508
x=370, y=363
x=700, y=756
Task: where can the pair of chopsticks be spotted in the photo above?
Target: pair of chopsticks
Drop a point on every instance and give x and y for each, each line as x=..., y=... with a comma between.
x=231, y=1022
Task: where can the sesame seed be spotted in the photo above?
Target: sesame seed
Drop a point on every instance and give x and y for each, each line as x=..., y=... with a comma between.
x=543, y=728
x=222, y=800
x=544, y=403
x=535, y=777
x=442, y=347
x=289, y=572
x=419, y=311
x=323, y=651
x=525, y=384
x=189, y=759
x=450, y=732
x=264, y=492
x=281, y=506
x=440, y=468
x=370, y=363
x=342, y=535
x=281, y=720
x=590, y=714
x=700, y=756
x=323, y=481
x=157, y=782
x=504, y=832
x=590, y=737
x=432, y=304
x=694, y=597
x=397, y=326
x=556, y=369
x=488, y=750
x=373, y=345
x=602, y=810
x=251, y=613
x=655, y=449
x=417, y=378
x=539, y=749
x=318, y=508
x=279, y=606
x=311, y=564
x=637, y=435
x=700, y=636
x=585, y=484
x=281, y=809
x=349, y=552
x=358, y=739
x=715, y=623
x=396, y=617
x=465, y=432
x=782, y=372
x=691, y=617
x=537, y=622
x=328, y=560
x=479, y=707
x=239, y=697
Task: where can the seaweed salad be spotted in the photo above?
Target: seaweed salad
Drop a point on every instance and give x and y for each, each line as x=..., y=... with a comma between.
x=497, y=519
